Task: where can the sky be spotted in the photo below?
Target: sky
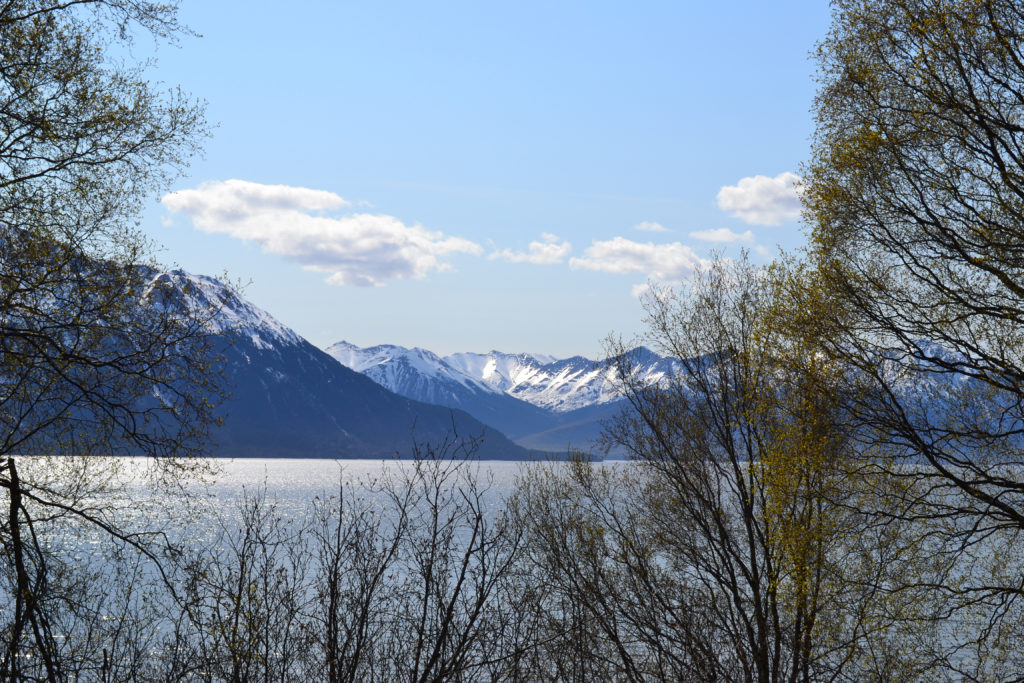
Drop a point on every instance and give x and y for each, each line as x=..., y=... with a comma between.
x=468, y=176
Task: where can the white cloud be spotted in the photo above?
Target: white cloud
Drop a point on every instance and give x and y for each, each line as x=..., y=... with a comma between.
x=761, y=200
x=649, y=287
x=722, y=235
x=545, y=252
x=660, y=262
x=355, y=249
x=650, y=226
x=641, y=289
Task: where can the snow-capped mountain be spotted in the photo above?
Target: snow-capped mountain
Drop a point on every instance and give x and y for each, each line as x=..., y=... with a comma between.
x=228, y=313
x=290, y=399
x=561, y=386
x=423, y=376
x=537, y=400
x=410, y=372
x=500, y=371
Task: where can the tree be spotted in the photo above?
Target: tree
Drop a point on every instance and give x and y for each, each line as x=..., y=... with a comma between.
x=423, y=585
x=915, y=197
x=730, y=549
x=412, y=575
x=85, y=325
x=99, y=354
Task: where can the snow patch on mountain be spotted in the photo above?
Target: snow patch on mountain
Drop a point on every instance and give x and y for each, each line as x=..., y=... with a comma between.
x=225, y=310
x=395, y=367
x=500, y=371
x=560, y=386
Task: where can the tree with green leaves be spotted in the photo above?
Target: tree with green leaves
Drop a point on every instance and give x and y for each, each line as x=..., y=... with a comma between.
x=100, y=354
x=915, y=198
x=733, y=546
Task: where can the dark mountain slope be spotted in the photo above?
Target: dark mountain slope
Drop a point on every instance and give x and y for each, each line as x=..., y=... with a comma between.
x=290, y=399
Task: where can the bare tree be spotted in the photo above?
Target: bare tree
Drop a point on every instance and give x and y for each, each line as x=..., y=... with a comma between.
x=441, y=572
x=732, y=547
x=412, y=576
x=247, y=597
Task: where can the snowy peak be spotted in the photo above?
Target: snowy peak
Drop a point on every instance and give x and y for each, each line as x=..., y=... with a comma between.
x=499, y=371
x=560, y=386
x=422, y=376
x=227, y=312
x=415, y=373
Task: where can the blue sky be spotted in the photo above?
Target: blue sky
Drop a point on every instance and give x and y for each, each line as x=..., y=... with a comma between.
x=471, y=176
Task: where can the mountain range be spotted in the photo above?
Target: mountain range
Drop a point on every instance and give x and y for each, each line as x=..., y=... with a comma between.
x=292, y=399
x=538, y=401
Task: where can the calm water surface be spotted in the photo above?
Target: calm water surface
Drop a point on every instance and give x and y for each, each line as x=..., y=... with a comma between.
x=291, y=485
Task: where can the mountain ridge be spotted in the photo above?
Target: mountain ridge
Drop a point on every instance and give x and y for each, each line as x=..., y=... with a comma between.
x=538, y=401
x=291, y=399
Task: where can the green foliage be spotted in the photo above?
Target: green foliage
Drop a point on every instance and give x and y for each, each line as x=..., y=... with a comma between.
x=97, y=353
x=915, y=201
x=86, y=332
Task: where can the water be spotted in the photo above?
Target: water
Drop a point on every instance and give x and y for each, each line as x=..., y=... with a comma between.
x=138, y=496
x=299, y=480
x=291, y=485
x=205, y=516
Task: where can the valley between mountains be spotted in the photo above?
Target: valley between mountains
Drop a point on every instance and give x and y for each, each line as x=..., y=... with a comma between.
x=291, y=399
x=540, y=402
